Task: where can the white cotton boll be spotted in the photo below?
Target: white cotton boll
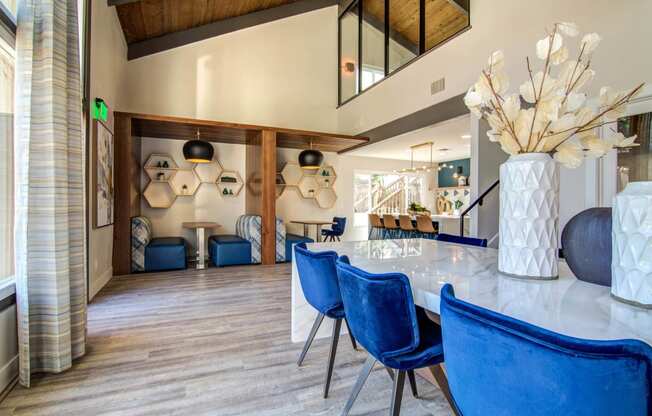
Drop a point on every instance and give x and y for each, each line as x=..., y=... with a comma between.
x=569, y=29
x=590, y=43
x=544, y=45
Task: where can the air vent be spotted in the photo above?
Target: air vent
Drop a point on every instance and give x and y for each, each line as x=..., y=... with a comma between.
x=437, y=86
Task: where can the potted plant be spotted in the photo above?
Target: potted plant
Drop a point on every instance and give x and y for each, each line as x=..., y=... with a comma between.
x=547, y=121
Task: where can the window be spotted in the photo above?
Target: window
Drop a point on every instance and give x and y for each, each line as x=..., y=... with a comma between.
x=383, y=193
x=378, y=37
x=6, y=155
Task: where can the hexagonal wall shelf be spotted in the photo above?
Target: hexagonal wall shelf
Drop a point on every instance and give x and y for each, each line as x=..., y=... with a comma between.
x=159, y=195
x=292, y=174
x=280, y=185
x=160, y=167
x=308, y=186
x=208, y=172
x=326, y=198
x=326, y=176
x=185, y=182
x=229, y=183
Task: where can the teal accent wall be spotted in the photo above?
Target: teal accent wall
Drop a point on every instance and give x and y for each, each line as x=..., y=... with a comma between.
x=446, y=175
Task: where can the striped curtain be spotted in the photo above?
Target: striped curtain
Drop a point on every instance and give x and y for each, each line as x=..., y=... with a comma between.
x=49, y=200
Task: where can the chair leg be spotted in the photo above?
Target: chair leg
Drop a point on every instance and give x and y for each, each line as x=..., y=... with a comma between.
x=397, y=394
x=440, y=377
x=353, y=343
x=331, y=356
x=362, y=378
x=338, y=238
x=390, y=373
x=311, y=337
x=413, y=383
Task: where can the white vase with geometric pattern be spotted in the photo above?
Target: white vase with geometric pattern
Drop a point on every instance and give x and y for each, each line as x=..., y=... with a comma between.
x=631, y=261
x=529, y=217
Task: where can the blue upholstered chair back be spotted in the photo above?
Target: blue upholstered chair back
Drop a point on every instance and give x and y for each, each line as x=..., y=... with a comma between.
x=469, y=241
x=379, y=309
x=339, y=224
x=318, y=278
x=497, y=365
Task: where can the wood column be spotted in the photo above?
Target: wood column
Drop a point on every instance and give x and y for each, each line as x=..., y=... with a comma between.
x=126, y=170
x=268, y=212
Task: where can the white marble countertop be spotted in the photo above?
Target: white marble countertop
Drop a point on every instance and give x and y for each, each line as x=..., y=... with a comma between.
x=566, y=305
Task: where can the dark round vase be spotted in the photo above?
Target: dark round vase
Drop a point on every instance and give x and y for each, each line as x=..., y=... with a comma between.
x=586, y=244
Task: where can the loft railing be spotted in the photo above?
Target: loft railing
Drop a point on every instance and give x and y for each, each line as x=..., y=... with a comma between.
x=478, y=201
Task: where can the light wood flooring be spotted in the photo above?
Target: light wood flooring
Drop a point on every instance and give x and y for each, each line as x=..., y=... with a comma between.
x=212, y=342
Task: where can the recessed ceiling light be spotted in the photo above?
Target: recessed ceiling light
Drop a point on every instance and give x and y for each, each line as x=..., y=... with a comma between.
x=466, y=136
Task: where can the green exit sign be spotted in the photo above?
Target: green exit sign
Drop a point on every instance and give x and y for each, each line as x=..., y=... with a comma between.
x=100, y=110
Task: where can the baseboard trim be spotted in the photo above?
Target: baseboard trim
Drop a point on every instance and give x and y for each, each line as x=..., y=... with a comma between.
x=97, y=285
x=8, y=372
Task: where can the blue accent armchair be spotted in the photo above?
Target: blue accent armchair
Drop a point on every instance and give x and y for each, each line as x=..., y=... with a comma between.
x=150, y=254
x=497, y=365
x=469, y=241
x=336, y=231
x=319, y=284
x=384, y=320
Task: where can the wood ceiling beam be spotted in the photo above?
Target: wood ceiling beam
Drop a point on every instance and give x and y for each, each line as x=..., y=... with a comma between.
x=221, y=27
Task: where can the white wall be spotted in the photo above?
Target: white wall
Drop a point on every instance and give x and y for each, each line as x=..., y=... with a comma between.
x=514, y=26
x=291, y=206
x=206, y=204
x=281, y=74
x=108, y=73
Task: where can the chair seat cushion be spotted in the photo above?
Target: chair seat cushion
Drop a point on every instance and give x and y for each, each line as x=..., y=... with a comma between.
x=290, y=240
x=328, y=232
x=429, y=352
x=228, y=239
x=167, y=241
x=165, y=253
x=229, y=250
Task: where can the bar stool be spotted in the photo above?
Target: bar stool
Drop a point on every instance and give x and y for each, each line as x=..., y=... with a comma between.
x=382, y=315
x=320, y=286
x=407, y=229
x=391, y=227
x=377, y=229
x=498, y=365
x=425, y=227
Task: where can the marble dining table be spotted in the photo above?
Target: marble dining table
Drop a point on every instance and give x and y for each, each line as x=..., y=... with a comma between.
x=566, y=305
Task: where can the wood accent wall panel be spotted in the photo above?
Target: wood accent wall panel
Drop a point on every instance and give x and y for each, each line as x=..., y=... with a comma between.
x=268, y=189
x=127, y=191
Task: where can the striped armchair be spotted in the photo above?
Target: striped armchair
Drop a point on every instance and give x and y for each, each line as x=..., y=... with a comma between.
x=249, y=227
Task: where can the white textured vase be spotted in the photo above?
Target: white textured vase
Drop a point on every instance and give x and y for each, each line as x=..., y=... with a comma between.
x=631, y=262
x=529, y=217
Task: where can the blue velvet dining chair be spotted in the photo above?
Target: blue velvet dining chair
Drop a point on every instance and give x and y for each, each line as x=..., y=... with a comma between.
x=469, y=241
x=498, y=365
x=319, y=283
x=336, y=231
x=384, y=320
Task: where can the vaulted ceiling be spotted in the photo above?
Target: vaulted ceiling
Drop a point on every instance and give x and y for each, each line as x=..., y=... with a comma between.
x=152, y=26
x=147, y=19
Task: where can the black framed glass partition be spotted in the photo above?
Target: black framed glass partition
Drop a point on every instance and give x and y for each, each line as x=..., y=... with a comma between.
x=349, y=52
x=378, y=37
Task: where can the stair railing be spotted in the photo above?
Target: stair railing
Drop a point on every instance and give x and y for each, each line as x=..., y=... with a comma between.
x=478, y=201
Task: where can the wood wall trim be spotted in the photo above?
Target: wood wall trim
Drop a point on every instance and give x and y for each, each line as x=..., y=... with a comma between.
x=127, y=191
x=180, y=128
x=268, y=176
x=221, y=27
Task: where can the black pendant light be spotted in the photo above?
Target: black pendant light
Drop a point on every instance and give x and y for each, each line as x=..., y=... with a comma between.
x=310, y=159
x=198, y=151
